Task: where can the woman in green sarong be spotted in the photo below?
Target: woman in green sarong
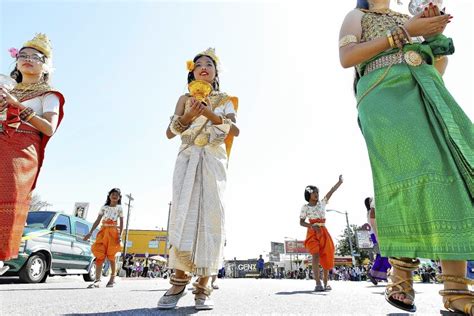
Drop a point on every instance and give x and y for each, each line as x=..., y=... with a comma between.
x=420, y=145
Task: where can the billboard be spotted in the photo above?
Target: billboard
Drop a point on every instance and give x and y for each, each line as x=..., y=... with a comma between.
x=277, y=247
x=295, y=246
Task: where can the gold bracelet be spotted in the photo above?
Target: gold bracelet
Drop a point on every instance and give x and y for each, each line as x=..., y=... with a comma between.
x=390, y=39
x=29, y=117
x=407, y=35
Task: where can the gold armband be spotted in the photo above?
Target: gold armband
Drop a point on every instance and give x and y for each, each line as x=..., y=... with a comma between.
x=348, y=39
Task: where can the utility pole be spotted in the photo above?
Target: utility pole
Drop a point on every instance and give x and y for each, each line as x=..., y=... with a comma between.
x=129, y=204
x=349, y=231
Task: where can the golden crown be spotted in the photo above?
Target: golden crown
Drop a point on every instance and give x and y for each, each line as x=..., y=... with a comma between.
x=41, y=43
x=211, y=52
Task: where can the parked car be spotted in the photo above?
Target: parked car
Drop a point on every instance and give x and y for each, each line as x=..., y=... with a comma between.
x=52, y=244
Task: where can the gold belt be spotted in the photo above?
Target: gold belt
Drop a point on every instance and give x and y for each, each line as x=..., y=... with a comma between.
x=26, y=131
x=411, y=58
x=201, y=140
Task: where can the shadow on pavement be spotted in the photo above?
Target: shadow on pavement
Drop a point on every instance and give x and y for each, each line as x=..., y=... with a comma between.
x=300, y=292
x=146, y=311
x=39, y=289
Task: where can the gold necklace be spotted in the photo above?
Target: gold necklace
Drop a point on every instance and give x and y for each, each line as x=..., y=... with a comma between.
x=23, y=91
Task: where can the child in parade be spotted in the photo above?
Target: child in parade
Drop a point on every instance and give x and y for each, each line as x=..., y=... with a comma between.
x=107, y=242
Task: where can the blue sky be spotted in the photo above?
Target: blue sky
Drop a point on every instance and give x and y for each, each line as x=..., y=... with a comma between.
x=121, y=66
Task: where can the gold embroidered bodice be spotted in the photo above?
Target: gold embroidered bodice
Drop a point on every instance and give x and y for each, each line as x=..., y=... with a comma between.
x=375, y=24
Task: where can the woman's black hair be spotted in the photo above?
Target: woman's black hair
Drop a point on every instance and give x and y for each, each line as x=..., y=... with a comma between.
x=307, y=193
x=215, y=83
x=367, y=203
x=18, y=77
x=116, y=190
x=362, y=4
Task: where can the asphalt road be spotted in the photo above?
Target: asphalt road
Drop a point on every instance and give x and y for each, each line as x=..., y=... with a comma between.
x=69, y=296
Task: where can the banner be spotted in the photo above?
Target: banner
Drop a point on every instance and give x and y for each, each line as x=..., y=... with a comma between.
x=80, y=209
x=295, y=246
x=242, y=268
x=277, y=247
x=363, y=239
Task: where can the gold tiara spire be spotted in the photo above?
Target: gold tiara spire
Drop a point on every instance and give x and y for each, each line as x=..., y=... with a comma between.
x=41, y=43
x=211, y=52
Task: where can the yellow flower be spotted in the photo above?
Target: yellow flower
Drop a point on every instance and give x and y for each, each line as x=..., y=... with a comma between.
x=190, y=65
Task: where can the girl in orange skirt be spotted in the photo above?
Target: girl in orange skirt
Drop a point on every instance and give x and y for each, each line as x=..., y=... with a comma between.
x=318, y=241
x=107, y=242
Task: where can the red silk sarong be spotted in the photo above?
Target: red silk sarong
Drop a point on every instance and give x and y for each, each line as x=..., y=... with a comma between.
x=21, y=158
x=18, y=169
x=320, y=243
x=107, y=242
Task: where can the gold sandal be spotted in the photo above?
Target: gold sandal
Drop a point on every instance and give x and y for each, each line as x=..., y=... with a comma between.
x=395, y=283
x=449, y=296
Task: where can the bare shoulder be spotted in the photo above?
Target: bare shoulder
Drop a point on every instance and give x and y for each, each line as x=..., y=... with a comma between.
x=354, y=15
x=352, y=23
x=183, y=98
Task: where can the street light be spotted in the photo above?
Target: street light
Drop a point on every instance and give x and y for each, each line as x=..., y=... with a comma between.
x=349, y=231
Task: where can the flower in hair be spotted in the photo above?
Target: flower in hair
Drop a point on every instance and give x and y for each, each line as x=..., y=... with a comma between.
x=309, y=190
x=190, y=65
x=13, y=52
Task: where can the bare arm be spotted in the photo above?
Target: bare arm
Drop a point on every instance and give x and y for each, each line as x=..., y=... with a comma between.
x=356, y=53
x=234, y=130
x=304, y=223
x=179, y=110
x=94, y=226
x=46, y=124
x=186, y=117
x=333, y=189
x=121, y=227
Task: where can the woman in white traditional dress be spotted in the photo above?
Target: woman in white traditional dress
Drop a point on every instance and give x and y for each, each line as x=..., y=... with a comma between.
x=205, y=120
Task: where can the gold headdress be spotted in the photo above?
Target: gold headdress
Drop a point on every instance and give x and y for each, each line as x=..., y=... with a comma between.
x=41, y=43
x=210, y=52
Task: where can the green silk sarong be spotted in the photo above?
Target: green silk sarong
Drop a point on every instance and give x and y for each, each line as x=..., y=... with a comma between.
x=421, y=150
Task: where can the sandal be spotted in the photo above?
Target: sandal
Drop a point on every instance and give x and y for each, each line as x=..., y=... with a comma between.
x=373, y=280
x=94, y=284
x=319, y=288
x=449, y=296
x=169, y=301
x=398, y=285
x=215, y=286
x=327, y=287
x=202, y=303
x=110, y=284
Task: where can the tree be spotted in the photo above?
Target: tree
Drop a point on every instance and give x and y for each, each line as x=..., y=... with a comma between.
x=343, y=247
x=37, y=204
